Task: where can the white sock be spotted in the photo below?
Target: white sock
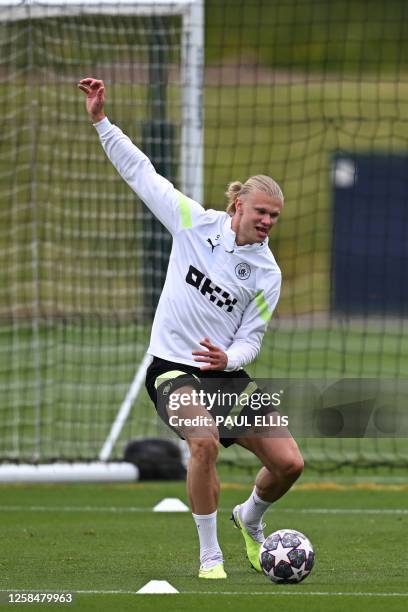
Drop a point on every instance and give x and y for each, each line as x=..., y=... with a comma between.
x=210, y=551
x=253, y=509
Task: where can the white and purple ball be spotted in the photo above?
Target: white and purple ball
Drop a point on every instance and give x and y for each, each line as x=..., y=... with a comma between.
x=286, y=556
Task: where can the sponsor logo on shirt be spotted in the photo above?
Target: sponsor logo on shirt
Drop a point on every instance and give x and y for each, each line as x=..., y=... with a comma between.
x=206, y=287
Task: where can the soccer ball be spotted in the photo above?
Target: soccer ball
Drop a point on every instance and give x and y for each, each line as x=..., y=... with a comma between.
x=286, y=556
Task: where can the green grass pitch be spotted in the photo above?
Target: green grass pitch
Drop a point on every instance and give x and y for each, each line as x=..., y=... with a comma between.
x=103, y=542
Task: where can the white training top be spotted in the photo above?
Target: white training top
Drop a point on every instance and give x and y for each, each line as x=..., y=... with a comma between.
x=213, y=287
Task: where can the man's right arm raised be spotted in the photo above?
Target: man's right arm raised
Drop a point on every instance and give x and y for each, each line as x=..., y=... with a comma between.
x=175, y=210
x=138, y=171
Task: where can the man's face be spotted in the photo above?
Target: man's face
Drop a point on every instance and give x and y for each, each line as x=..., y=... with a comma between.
x=255, y=215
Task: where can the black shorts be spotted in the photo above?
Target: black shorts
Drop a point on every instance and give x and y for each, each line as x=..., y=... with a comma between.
x=230, y=394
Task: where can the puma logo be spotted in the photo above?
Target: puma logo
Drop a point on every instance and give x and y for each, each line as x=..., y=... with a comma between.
x=213, y=246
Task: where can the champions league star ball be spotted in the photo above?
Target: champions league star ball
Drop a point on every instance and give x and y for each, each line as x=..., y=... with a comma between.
x=286, y=556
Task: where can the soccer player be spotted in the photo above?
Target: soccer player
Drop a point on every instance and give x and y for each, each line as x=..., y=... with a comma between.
x=221, y=288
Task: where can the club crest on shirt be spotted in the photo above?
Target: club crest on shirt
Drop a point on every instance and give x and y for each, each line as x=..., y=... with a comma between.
x=243, y=271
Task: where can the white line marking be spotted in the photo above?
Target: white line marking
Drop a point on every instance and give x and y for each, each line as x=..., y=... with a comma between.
x=269, y=592
x=108, y=509
x=346, y=510
x=347, y=480
x=130, y=509
x=314, y=593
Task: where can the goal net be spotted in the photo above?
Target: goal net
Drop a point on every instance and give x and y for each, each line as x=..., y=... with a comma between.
x=82, y=261
x=314, y=94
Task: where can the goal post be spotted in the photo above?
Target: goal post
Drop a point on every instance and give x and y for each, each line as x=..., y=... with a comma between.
x=191, y=13
x=313, y=94
x=74, y=305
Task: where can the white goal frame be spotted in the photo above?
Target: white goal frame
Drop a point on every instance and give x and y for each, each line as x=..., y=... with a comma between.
x=192, y=62
x=191, y=183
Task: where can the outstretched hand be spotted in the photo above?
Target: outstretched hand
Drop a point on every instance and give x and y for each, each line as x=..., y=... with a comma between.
x=95, y=97
x=213, y=356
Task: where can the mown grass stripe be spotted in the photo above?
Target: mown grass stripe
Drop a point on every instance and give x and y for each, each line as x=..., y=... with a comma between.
x=330, y=486
x=269, y=592
x=130, y=509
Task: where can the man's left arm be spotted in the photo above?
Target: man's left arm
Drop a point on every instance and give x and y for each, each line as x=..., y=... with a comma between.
x=248, y=338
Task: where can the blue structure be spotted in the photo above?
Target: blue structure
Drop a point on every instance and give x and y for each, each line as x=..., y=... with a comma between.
x=370, y=234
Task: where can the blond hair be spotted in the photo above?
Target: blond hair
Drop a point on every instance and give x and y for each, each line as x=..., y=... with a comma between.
x=254, y=183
